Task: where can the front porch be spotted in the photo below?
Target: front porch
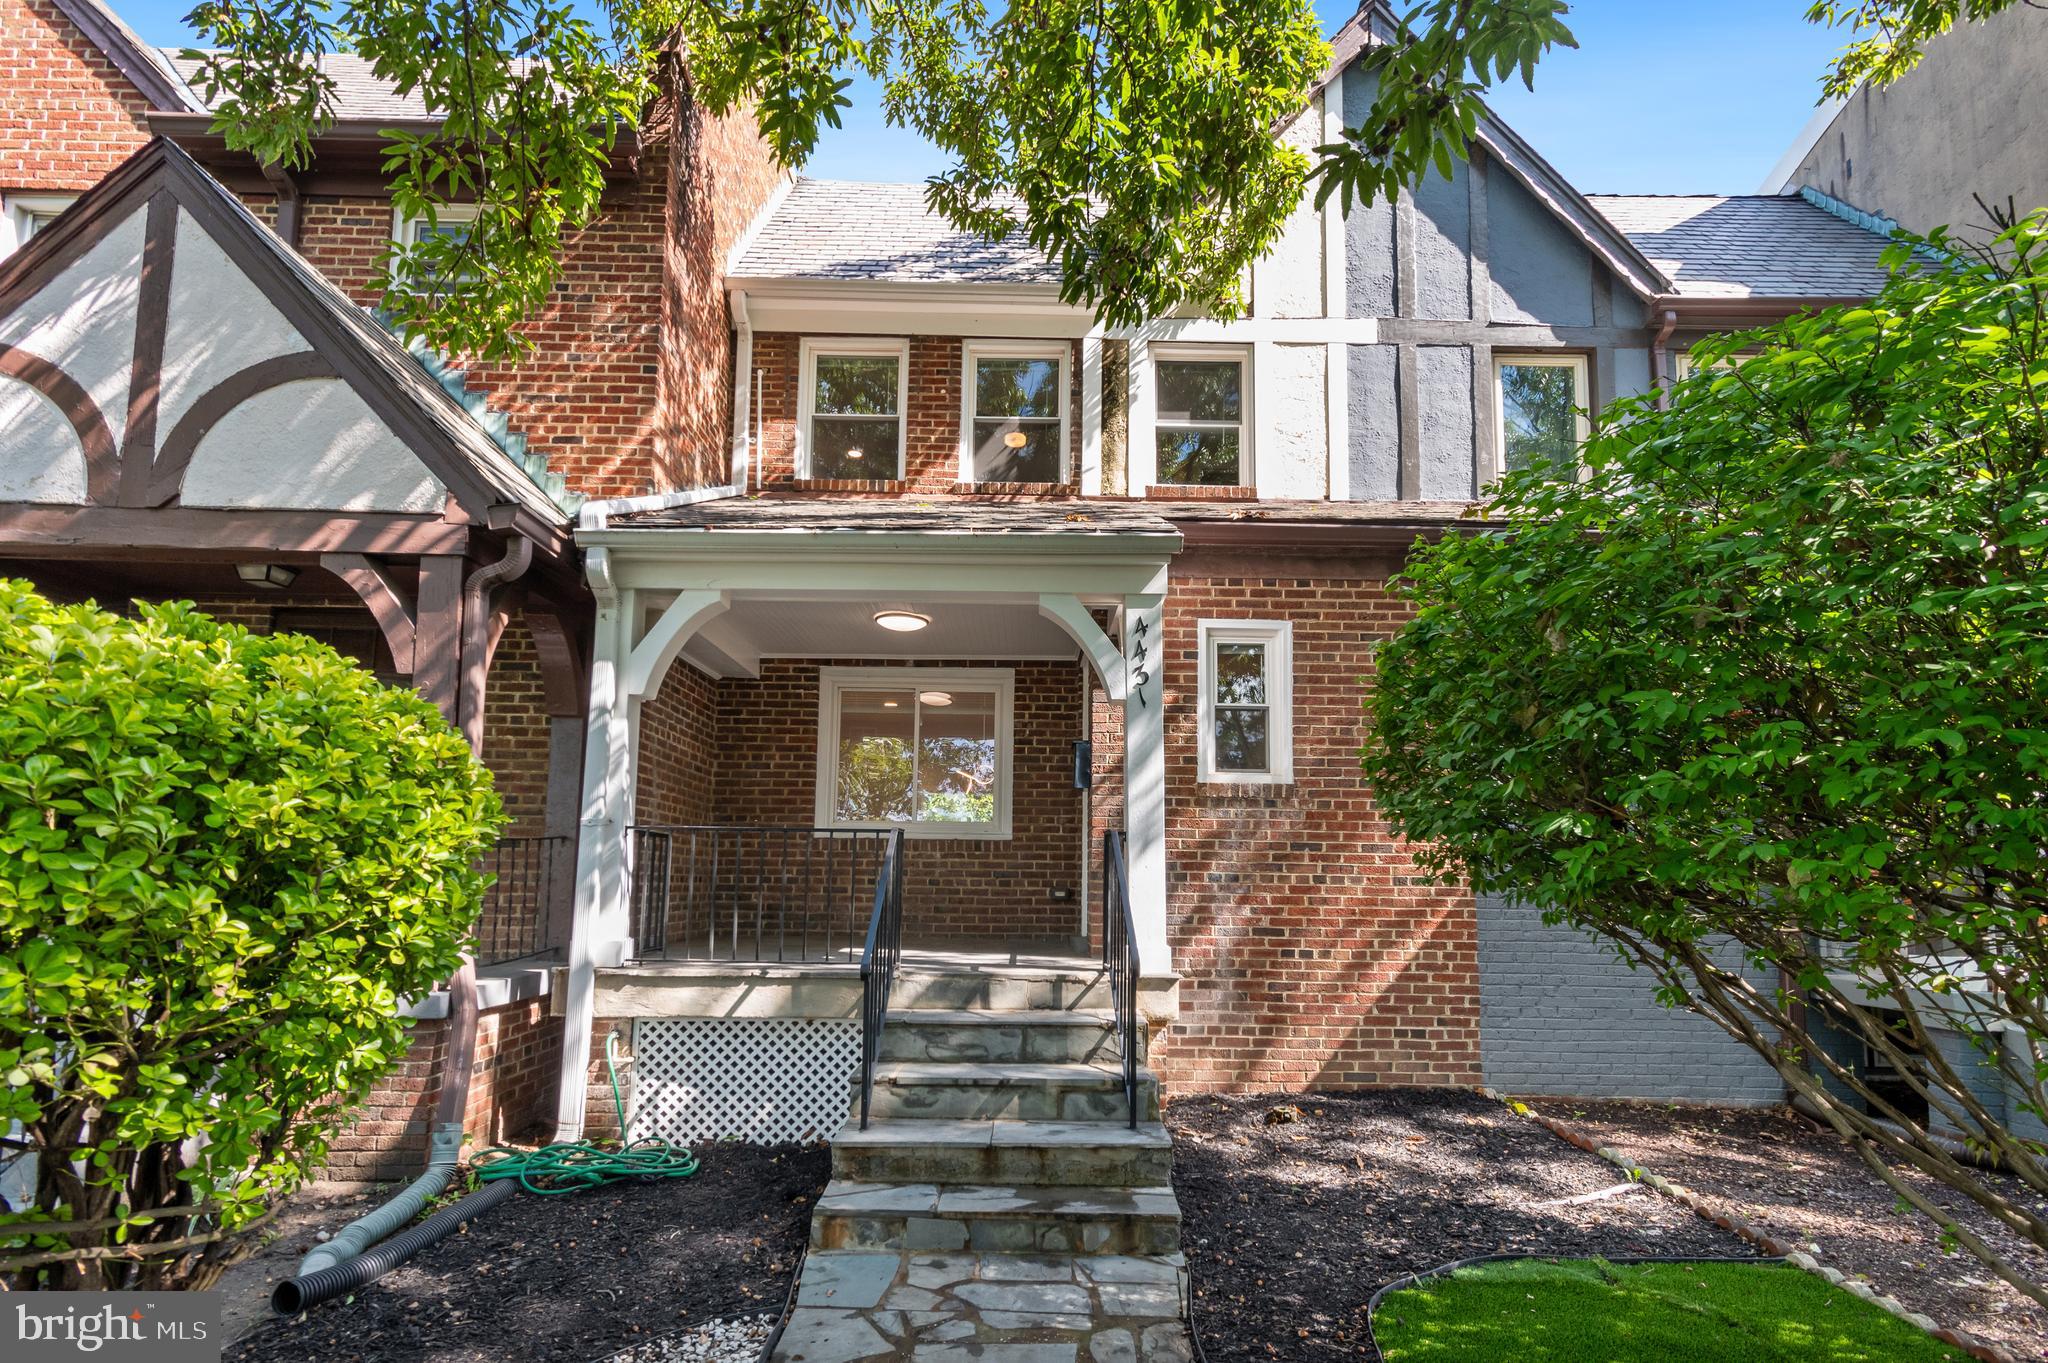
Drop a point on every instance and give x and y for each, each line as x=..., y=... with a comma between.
x=760, y=735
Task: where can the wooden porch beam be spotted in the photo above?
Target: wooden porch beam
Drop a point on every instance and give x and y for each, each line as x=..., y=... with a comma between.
x=1105, y=657
x=562, y=674
x=388, y=604
x=665, y=638
x=222, y=536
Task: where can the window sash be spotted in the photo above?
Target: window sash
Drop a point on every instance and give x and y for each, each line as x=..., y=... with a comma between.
x=922, y=793
x=1581, y=426
x=976, y=453
x=1273, y=730
x=876, y=465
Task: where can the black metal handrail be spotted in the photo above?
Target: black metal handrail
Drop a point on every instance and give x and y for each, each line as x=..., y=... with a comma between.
x=1120, y=961
x=751, y=892
x=878, y=965
x=522, y=914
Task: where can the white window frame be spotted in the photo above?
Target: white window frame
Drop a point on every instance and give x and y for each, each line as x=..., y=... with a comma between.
x=809, y=350
x=1683, y=366
x=405, y=229
x=974, y=351
x=1278, y=638
x=21, y=211
x=1581, y=390
x=1247, y=439
x=832, y=681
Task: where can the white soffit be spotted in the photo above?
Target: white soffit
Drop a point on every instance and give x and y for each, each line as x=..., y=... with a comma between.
x=845, y=629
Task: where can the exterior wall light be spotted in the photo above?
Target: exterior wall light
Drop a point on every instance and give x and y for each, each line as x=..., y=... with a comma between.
x=273, y=575
x=902, y=621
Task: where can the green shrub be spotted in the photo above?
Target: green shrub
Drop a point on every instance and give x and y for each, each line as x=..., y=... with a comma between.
x=224, y=859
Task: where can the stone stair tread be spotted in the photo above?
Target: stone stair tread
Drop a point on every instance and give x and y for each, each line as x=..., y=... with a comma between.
x=1070, y=1073
x=842, y=1198
x=1000, y=1017
x=980, y=1131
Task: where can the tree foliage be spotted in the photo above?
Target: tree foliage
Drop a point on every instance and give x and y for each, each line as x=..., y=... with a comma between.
x=224, y=860
x=1773, y=670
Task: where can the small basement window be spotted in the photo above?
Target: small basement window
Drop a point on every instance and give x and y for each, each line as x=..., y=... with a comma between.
x=1014, y=414
x=924, y=749
x=1247, y=701
x=854, y=396
x=1541, y=404
x=1199, y=426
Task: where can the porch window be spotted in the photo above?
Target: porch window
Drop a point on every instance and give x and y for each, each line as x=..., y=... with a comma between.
x=925, y=749
x=1541, y=404
x=1247, y=701
x=1014, y=420
x=1200, y=426
x=853, y=410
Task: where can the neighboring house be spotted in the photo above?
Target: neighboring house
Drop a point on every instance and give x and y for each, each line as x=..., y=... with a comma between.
x=194, y=406
x=1923, y=150
x=927, y=549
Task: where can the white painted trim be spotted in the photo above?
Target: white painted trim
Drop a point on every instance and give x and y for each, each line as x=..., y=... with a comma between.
x=1145, y=660
x=1141, y=450
x=1337, y=416
x=1091, y=415
x=1066, y=611
x=651, y=656
x=1001, y=682
x=403, y=225
x=740, y=457
x=1335, y=302
x=1581, y=390
x=1251, y=330
x=1277, y=637
x=18, y=213
x=597, y=515
x=1248, y=434
x=808, y=351
x=976, y=350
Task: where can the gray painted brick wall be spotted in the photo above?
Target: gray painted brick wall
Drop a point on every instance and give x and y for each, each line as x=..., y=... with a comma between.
x=1559, y=1014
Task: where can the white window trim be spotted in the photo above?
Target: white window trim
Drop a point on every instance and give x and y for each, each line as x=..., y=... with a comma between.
x=1581, y=389
x=972, y=351
x=1278, y=638
x=808, y=351
x=1247, y=439
x=833, y=680
x=404, y=227
x=21, y=209
x=1683, y=365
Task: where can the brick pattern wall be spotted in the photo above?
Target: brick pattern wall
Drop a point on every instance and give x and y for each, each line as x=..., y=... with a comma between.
x=67, y=116
x=931, y=448
x=511, y=1094
x=755, y=763
x=1312, y=951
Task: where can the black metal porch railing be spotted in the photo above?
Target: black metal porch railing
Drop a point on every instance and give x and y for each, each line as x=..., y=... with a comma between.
x=524, y=911
x=1120, y=961
x=878, y=960
x=754, y=892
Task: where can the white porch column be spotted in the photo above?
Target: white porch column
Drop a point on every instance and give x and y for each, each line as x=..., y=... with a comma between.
x=1145, y=779
x=600, y=910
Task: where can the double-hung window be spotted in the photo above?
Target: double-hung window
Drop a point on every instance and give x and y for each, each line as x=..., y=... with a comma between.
x=854, y=394
x=451, y=223
x=1541, y=404
x=1199, y=424
x=1247, y=701
x=27, y=214
x=925, y=749
x=1014, y=413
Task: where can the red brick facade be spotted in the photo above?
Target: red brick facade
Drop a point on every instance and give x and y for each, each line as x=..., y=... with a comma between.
x=1311, y=950
x=931, y=441
x=67, y=116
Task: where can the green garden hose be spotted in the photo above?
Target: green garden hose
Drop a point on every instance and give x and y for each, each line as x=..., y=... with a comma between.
x=572, y=1166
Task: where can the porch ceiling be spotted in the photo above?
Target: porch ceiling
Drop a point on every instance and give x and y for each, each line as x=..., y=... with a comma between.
x=733, y=644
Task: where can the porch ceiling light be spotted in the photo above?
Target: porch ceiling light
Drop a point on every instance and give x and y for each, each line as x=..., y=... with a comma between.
x=901, y=621
x=934, y=698
x=274, y=575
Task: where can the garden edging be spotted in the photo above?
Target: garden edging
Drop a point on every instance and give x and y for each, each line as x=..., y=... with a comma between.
x=1726, y=1219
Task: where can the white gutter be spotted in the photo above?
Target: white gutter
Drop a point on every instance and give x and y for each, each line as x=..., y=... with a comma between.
x=597, y=515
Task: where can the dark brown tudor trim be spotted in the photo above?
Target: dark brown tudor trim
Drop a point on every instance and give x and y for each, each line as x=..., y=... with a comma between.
x=167, y=477
x=388, y=605
x=95, y=437
x=224, y=536
x=146, y=371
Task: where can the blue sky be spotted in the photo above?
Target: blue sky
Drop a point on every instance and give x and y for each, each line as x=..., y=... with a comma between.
x=1662, y=97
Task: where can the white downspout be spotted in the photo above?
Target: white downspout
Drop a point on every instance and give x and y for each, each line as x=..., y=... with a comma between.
x=742, y=379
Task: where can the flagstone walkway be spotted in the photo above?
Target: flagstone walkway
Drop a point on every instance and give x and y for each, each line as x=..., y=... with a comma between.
x=989, y=1308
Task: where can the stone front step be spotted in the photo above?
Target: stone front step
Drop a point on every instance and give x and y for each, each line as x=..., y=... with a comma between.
x=1026, y=1220
x=1010, y=1036
x=987, y=1308
x=1072, y=1091
x=981, y=1151
x=999, y=988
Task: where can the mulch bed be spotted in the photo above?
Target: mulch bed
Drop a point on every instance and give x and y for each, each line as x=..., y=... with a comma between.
x=1798, y=1181
x=1290, y=1228
x=574, y=1278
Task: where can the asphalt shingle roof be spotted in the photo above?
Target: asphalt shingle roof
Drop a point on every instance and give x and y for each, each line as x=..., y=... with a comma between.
x=358, y=91
x=845, y=229
x=1749, y=245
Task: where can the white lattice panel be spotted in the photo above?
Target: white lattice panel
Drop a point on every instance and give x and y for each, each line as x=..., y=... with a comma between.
x=751, y=1079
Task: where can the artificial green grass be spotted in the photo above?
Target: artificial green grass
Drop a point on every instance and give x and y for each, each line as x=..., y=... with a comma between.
x=1590, y=1311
